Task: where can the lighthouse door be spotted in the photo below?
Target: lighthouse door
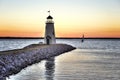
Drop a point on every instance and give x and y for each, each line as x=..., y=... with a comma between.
x=48, y=40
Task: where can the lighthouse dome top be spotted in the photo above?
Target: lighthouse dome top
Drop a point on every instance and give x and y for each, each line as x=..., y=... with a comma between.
x=49, y=17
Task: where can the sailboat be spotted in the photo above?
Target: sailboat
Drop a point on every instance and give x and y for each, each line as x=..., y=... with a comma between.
x=82, y=38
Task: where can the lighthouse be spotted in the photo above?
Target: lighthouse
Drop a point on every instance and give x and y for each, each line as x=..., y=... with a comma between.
x=49, y=31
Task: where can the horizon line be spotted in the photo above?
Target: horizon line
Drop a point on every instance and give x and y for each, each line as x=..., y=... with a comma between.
x=60, y=38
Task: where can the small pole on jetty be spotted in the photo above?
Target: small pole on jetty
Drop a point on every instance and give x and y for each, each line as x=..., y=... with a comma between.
x=49, y=31
x=82, y=38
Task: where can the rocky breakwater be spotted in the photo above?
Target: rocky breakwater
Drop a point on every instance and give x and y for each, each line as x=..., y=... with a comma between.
x=13, y=61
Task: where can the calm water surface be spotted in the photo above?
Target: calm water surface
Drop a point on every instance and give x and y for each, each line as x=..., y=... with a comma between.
x=92, y=60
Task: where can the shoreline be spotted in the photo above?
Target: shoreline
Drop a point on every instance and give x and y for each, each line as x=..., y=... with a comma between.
x=60, y=38
x=13, y=61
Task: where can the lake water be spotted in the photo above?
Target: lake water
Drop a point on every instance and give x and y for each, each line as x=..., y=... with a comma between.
x=94, y=59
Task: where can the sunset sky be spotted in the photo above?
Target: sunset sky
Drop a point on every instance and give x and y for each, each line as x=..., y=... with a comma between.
x=93, y=18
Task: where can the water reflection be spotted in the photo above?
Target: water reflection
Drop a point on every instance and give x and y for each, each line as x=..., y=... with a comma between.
x=49, y=69
x=75, y=65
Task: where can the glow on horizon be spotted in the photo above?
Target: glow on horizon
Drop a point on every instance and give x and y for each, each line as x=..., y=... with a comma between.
x=94, y=18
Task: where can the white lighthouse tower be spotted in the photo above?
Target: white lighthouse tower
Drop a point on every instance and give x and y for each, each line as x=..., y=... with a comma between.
x=49, y=31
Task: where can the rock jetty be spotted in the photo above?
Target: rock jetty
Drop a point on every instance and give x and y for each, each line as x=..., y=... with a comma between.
x=13, y=61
